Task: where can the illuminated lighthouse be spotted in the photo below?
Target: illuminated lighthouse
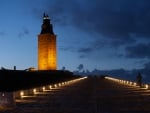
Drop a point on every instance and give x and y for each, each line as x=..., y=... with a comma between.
x=47, y=56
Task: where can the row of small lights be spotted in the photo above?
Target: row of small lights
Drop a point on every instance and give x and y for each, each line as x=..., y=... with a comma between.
x=126, y=82
x=50, y=87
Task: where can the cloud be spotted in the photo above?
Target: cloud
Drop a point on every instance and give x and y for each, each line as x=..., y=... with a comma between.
x=146, y=72
x=77, y=49
x=2, y=33
x=82, y=56
x=147, y=65
x=116, y=20
x=23, y=33
x=121, y=73
x=68, y=48
x=80, y=67
x=117, y=73
x=138, y=51
x=85, y=50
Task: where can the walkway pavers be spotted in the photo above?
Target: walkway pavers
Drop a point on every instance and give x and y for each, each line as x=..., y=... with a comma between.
x=91, y=95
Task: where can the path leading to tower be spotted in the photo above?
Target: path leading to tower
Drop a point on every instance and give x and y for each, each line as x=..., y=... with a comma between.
x=91, y=95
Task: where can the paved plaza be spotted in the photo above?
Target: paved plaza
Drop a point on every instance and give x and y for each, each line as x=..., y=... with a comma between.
x=91, y=95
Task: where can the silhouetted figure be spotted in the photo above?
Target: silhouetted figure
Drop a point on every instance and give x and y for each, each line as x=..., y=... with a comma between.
x=139, y=79
x=14, y=67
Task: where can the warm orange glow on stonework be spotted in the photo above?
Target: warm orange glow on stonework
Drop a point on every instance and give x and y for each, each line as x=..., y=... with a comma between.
x=47, y=58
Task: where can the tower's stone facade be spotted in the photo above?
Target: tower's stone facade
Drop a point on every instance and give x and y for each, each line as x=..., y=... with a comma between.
x=47, y=55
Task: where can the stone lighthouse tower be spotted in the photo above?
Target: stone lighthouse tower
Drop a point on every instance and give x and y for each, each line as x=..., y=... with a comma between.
x=47, y=56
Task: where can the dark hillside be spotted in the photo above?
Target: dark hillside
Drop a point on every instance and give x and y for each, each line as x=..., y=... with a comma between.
x=11, y=80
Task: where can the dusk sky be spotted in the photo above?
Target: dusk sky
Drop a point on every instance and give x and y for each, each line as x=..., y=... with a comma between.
x=100, y=34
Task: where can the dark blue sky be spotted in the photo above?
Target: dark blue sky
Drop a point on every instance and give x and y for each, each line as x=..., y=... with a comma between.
x=101, y=34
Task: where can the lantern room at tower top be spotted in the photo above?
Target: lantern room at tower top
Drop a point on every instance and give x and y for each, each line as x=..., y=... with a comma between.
x=47, y=54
